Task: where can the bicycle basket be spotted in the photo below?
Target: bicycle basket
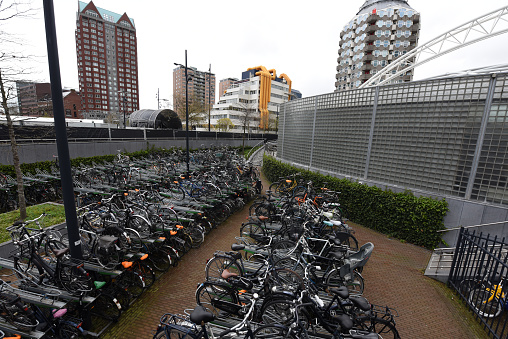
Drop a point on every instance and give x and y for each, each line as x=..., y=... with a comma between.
x=180, y=325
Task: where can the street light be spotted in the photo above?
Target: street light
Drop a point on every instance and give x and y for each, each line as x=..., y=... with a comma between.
x=186, y=109
x=209, y=93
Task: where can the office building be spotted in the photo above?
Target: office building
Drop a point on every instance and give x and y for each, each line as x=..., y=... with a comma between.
x=34, y=99
x=201, y=89
x=381, y=31
x=253, y=102
x=106, y=48
x=224, y=84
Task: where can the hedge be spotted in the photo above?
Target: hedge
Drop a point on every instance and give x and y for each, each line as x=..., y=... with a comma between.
x=399, y=215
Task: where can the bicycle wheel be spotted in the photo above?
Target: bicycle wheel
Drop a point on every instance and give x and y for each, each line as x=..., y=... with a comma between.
x=278, y=311
x=285, y=280
x=217, y=298
x=140, y=225
x=385, y=328
x=132, y=282
x=16, y=314
x=107, y=307
x=355, y=284
x=292, y=264
x=484, y=303
x=197, y=234
x=67, y=330
x=74, y=280
x=281, y=249
x=160, y=260
x=216, y=265
x=253, y=233
x=177, y=193
x=274, y=331
x=145, y=272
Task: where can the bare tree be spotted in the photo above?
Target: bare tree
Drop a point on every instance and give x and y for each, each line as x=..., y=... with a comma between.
x=13, y=67
x=197, y=110
x=249, y=115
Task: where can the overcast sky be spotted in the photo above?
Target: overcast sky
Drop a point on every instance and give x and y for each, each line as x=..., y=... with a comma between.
x=299, y=38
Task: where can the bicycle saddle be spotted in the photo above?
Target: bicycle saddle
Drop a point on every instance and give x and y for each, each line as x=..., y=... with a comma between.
x=345, y=322
x=60, y=253
x=237, y=247
x=201, y=315
x=360, y=302
x=340, y=291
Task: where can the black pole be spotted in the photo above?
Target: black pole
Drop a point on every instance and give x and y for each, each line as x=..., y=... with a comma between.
x=187, y=111
x=124, y=104
x=61, y=132
x=209, y=93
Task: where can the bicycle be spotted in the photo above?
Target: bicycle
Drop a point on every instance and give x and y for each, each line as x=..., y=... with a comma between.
x=179, y=326
x=339, y=326
x=487, y=294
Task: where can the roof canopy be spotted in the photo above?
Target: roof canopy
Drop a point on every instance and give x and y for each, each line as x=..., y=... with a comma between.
x=149, y=118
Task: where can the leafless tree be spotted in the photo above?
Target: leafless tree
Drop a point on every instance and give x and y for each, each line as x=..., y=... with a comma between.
x=249, y=114
x=197, y=110
x=13, y=66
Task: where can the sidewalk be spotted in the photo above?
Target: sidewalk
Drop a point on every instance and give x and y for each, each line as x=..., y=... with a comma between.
x=393, y=277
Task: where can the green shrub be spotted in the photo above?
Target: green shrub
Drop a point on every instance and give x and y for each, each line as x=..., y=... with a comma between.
x=399, y=215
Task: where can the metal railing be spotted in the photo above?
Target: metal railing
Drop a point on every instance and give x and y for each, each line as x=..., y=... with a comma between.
x=479, y=273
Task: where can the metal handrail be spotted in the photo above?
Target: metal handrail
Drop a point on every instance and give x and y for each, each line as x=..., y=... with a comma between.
x=480, y=225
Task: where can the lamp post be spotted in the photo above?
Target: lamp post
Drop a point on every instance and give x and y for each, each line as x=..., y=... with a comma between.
x=209, y=93
x=186, y=109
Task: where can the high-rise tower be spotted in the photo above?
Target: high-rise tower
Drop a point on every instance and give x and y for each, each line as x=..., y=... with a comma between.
x=106, y=48
x=381, y=31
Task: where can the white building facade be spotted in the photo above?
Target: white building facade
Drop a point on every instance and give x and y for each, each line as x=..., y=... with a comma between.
x=253, y=102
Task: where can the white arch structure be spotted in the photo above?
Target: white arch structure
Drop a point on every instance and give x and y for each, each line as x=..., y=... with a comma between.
x=481, y=28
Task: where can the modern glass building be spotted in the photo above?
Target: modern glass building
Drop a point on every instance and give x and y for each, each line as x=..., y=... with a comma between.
x=380, y=32
x=446, y=138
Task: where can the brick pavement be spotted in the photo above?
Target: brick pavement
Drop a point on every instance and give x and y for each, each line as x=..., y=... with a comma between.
x=393, y=276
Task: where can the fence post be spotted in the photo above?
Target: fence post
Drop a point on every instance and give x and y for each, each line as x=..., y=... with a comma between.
x=481, y=136
x=313, y=131
x=371, y=135
x=283, y=128
x=455, y=254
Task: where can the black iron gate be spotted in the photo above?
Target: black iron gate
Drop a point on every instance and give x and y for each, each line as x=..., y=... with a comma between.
x=479, y=273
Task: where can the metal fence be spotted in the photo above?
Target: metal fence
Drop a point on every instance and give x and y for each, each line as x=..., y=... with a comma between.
x=445, y=136
x=38, y=133
x=479, y=274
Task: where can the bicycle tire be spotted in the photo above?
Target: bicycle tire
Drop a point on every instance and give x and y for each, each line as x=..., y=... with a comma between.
x=197, y=234
x=355, y=284
x=176, y=192
x=161, y=260
x=273, y=331
x=277, y=311
x=381, y=326
x=217, y=298
x=67, y=330
x=479, y=300
x=107, y=307
x=16, y=314
x=254, y=233
x=73, y=280
x=145, y=272
x=286, y=280
x=216, y=265
x=132, y=281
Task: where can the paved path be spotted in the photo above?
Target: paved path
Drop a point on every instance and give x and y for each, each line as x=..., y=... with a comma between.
x=394, y=277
